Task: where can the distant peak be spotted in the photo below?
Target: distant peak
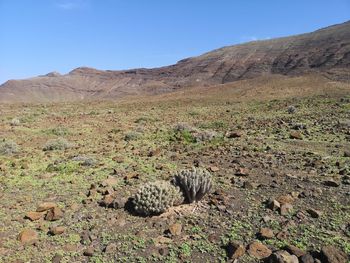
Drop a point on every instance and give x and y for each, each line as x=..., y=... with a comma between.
x=53, y=74
x=84, y=71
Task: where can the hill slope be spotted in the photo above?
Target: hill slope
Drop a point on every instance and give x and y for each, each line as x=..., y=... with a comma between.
x=325, y=51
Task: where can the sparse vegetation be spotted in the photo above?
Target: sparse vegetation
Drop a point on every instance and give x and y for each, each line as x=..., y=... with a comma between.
x=255, y=161
x=8, y=147
x=57, y=144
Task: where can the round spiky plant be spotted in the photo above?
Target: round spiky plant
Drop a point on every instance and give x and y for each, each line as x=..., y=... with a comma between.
x=156, y=197
x=195, y=183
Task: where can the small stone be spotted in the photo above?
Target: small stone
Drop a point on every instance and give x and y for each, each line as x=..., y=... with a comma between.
x=74, y=207
x=214, y=168
x=273, y=204
x=282, y=256
x=330, y=254
x=286, y=209
x=259, y=250
x=296, y=135
x=295, y=250
x=71, y=248
x=213, y=238
x=28, y=237
x=267, y=219
x=266, y=233
x=347, y=153
x=314, y=213
x=119, y=203
x=111, y=181
x=107, y=201
x=249, y=185
x=235, y=250
x=54, y=214
x=175, y=229
x=233, y=134
x=110, y=248
x=33, y=216
x=46, y=206
x=242, y=172
x=89, y=252
x=161, y=240
x=57, y=258
x=282, y=235
x=285, y=199
x=57, y=230
x=163, y=251
x=307, y=258
x=331, y=183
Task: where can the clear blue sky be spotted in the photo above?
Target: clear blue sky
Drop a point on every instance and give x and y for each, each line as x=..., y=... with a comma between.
x=39, y=36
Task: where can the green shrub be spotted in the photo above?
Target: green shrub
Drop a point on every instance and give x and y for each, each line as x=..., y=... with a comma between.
x=58, y=131
x=57, y=144
x=8, y=148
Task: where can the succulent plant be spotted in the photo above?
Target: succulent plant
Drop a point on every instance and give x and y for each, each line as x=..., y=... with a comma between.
x=195, y=183
x=156, y=198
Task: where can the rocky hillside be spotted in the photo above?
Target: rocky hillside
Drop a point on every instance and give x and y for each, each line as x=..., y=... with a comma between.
x=325, y=51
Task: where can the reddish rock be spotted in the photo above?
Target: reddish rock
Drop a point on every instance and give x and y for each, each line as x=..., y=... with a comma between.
x=107, y=201
x=282, y=235
x=57, y=230
x=54, y=214
x=266, y=233
x=330, y=254
x=235, y=250
x=259, y=250
x=111, y=181
x=307, y=258
x=234, y=134
x=285, y=199
x=242, y=172
x=282, y=256
x=286, y=209
x=33, y=216
x=273, y=204
x=295, y=251
x=28, y=237
x=89, y=252
x=296, y=135
x=46, y=206
x=175, y=229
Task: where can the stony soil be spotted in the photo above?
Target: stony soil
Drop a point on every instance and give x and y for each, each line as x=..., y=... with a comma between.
x=281, y=178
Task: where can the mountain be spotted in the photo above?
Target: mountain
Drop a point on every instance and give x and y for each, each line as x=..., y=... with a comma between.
x=325, y=52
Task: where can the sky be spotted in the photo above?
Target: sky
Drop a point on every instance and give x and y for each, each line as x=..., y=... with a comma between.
x=40, y=36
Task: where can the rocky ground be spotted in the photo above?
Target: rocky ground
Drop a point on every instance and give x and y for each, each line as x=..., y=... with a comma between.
x=281, y=173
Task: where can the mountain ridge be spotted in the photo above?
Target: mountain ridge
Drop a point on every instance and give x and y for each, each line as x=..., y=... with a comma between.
x=325, y=51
